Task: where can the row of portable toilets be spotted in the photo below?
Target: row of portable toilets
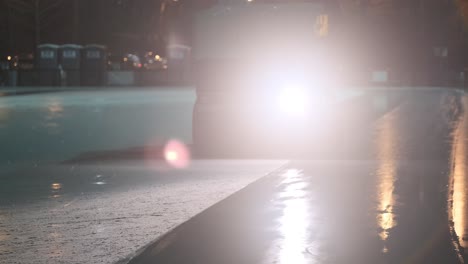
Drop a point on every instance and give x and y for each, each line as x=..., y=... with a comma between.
x=71, y=65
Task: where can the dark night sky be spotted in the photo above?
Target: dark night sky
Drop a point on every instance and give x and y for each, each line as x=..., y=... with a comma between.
x=122, y=25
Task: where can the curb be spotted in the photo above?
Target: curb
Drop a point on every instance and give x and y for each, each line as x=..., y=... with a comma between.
x=38, y=90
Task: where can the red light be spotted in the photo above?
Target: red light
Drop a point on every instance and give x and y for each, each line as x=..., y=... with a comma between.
x=177, y=154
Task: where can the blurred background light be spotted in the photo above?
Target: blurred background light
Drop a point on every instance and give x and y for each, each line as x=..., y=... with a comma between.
x=177, y=154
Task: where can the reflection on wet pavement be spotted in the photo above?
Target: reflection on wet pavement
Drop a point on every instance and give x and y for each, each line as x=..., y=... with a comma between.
x=102, y=213
x=55, y=239
x=56, y=190
x=54, y=111
x=58, y=126
x=55, y=107
x=389, y=207
x=387, y=156
x=458, y=210
x=294, y=222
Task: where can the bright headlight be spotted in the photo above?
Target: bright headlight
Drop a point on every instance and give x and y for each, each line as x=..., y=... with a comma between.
x=293, y=100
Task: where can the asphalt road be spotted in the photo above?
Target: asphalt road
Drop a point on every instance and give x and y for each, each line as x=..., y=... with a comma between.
x=104, y=213
x=387, y=185
x=58, y=207
x=51, y=127
x=394, y=191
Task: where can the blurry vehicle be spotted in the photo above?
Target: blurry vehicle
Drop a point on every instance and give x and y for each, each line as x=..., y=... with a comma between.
x=131, y=62
x=153, y=61
x=260, y=66
x=150, y=61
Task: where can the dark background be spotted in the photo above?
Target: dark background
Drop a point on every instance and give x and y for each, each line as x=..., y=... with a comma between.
x=386, y=33
x=122, y=25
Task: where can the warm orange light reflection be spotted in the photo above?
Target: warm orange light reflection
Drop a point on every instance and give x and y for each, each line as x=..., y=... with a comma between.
x=55, y=190
x=459, y=180
x=177, y=154
x=54, y=112
x=56, y=186
x=55, y=107
x=387, y=150
x=55, y=248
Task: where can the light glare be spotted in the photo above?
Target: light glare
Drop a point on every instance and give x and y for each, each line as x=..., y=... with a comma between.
x=176, y=154
x=293, y=100
x=56, y=186
x=171, y=156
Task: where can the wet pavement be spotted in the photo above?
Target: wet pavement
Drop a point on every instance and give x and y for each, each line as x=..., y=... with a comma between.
x=387, y=185
x=52, y=127
x=104, y=213
x=57, y=207
x=395, y=192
